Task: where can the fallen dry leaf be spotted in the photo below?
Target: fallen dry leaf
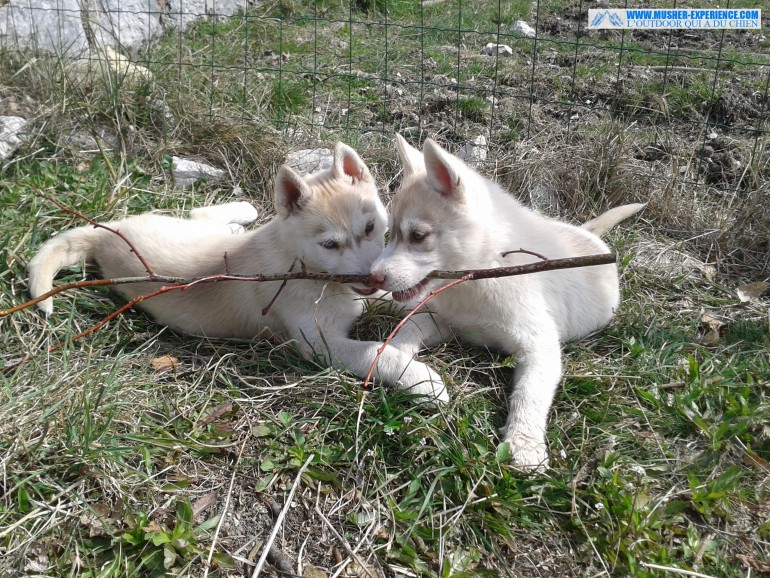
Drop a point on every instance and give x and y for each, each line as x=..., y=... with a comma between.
x=151, y=528
x=204, y=503
x=752, y=459
x=226, y=409
x=712, y=325
x=710, y=321
x=710, y=338
x=752, y=290
x=164, y=363
x=313, y=572
x=753, y=563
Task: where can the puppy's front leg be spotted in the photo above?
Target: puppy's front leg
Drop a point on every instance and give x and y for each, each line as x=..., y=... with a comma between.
x=537, y=375
x=394, y=367
x=423, y=330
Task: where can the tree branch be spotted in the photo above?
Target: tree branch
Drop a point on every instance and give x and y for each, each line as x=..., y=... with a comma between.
x=172, y=283
x=182, y=283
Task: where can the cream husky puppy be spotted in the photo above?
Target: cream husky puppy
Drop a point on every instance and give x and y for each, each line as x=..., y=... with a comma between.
x=446, y=216
x=331, y=222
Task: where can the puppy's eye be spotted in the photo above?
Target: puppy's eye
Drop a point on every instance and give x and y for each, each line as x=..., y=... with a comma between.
x=369, y=227
x=329, y=244
x=419, y=236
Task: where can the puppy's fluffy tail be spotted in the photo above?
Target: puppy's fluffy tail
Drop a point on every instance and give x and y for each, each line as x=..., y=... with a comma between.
x=68, y=248
x=609, y=219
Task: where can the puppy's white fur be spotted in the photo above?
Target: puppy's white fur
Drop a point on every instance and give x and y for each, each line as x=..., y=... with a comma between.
x=446, y=216
x=331, y=222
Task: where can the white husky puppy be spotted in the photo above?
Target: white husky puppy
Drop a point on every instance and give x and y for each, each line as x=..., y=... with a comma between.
x=331, y=222
x=446, y=216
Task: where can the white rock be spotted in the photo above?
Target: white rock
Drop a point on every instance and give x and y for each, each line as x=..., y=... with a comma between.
x=162, y=115
x=51, y=25
x=544, y=197
x=309, y=161
x=523, y=28
x=492, y=49
x=10, y=129
x=187, y=172
x=90, y=141
x=59, y=26
x=106, y=67
x=126, y=22
x=475, y=151
x=184, y=13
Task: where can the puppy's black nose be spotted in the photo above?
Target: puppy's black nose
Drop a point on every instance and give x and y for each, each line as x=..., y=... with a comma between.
x=376, y=280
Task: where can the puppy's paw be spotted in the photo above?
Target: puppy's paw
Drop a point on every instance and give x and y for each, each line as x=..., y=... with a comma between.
x=243, y=213
x=419, y=379
x=46, y=306
x=528, y=453
x=235, y=213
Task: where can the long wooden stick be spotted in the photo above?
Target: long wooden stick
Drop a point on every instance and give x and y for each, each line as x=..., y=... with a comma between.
x=181, y=282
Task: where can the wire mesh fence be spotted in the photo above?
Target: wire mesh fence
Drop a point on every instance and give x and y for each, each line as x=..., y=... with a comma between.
x=551, y=106
x=352, y=66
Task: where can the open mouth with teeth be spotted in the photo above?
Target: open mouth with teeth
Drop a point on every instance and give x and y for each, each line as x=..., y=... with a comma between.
x=365, y=292
x=410, y=293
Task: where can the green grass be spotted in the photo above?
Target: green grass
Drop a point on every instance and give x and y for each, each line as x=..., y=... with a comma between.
x=643, y=471
x=659, y=444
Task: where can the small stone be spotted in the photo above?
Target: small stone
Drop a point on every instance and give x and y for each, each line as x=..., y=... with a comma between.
x=543, y=196
x=475, y=151
x=186, y=172
x=11, y=127
x=162, y=115
x=90, y=141
x=309, y=161
x=492, y=49
x=523, y=28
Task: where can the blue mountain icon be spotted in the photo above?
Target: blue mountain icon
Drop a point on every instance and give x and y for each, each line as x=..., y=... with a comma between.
x=598, y=18
x=614, y=19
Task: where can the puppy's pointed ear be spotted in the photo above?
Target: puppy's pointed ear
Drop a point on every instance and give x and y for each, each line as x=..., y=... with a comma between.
x=348, y=166
x=444, y=171
x=410, y=157
x=291, y=192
